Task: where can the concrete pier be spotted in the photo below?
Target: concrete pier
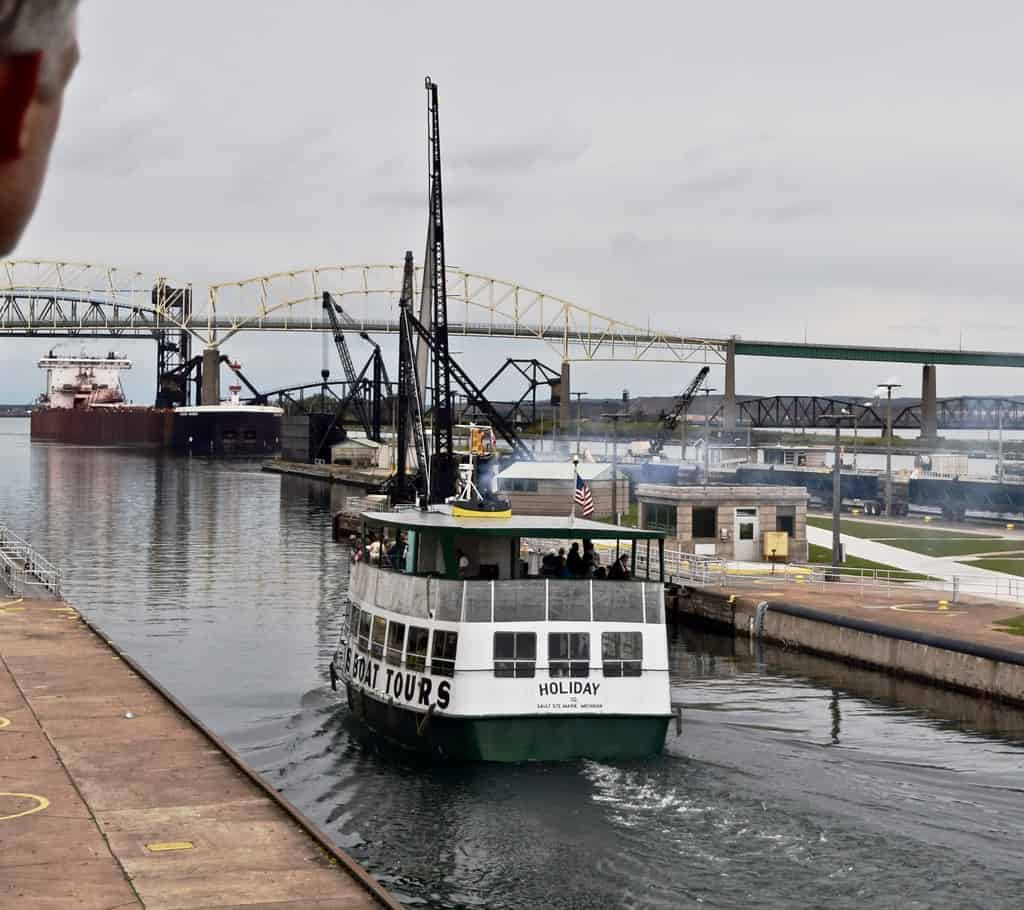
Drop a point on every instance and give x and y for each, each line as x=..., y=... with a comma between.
x=111, y=795
x=907, y=631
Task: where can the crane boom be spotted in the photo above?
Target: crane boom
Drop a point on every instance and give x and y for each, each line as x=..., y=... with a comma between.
x=682, y=402
x=355, y=393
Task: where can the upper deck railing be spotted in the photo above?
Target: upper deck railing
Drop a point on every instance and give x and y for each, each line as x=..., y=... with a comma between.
x=508, y=600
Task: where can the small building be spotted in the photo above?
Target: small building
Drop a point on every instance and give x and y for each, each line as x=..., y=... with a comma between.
x=547, y=487
x=728, y=521
x=356, y=451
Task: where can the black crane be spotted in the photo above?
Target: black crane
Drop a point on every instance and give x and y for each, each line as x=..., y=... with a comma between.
x=443, y=464
x=355, y=395
x=409, y=416
x=671, y=420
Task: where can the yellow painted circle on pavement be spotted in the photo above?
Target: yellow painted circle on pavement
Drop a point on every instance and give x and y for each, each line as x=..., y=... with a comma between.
x=917, y=608
x=41, y=802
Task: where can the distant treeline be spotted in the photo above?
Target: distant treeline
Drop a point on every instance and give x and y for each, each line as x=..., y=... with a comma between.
x=14, y=410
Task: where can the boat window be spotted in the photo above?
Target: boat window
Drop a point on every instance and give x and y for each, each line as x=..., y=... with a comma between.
x=377, y=635
x=353, y=620
x=515, y=654
x=364, y=630
x=396, y=639
x=568, y=654
x=442, y=657
x=622, y=653
x=416, y=649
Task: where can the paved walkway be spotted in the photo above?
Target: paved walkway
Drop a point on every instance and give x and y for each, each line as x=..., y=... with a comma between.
x=975, y=580
x=112, y=798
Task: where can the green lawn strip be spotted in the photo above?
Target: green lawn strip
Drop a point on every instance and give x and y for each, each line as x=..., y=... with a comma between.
x=824, y=555
x=926, y=541
x=1013, y=566
x=1014, y=625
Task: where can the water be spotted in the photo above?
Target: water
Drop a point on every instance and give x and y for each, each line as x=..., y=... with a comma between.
x=795, y=781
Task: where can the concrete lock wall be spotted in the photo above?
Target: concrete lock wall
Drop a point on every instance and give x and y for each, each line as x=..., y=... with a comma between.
x=832, y=636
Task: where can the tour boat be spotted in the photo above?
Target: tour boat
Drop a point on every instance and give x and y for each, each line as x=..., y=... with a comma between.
x=456, y=645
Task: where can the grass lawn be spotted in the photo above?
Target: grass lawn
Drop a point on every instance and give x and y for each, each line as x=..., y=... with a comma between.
x=824, y=555
x=1010, y=565
x=924, y=540
x=1014, y=625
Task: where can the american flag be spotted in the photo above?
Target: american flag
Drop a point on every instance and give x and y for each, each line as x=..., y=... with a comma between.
x=583, y=498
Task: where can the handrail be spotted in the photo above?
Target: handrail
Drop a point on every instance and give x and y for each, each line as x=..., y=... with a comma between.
x=24, y=568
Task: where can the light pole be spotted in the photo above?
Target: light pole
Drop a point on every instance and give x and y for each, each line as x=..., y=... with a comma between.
x=579, y=418
x=615, y=417
x=866, y=404
x=707, y=434
x=888, y=386
x=837, y=495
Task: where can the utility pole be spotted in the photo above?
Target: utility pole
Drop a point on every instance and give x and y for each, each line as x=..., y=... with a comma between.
x=615, y=418
x=888, y=386
x=579, y=419
x=837, y=495
x=707, y=434
x=999, y=463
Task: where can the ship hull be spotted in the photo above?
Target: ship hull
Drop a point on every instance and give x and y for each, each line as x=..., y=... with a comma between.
x=519, y=738
x=117, y=426
x=227, y=433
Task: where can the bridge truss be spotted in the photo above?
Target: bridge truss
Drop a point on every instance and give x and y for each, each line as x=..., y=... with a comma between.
x=49, y=298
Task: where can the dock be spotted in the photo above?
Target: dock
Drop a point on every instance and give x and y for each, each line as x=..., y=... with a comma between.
x=903, y=629
x=113, y=796
x=370, y=479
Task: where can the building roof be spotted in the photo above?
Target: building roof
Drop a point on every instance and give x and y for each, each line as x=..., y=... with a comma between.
x=741, y=493
x=555, y=470
x=555, y=526
x=358, y=441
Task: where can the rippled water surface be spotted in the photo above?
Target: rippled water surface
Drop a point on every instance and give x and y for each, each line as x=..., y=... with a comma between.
x=791, y=782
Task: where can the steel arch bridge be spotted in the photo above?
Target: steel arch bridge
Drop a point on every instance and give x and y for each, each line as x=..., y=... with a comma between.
x=51, y=298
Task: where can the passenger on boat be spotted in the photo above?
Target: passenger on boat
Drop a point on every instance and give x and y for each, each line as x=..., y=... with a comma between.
x=590, y=558
x=619, y=570
x=549, y=564
x=574, y=562
x=463, y=564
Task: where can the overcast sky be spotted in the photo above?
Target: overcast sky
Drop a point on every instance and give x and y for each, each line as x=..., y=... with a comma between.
x=848, y=172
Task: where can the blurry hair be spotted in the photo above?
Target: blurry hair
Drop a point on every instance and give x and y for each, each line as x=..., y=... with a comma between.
x=30, y=26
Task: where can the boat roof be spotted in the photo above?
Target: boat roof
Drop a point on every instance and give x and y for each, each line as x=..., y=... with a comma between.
x=555, y=526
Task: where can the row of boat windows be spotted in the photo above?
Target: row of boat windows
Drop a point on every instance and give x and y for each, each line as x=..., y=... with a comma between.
x=515, y=653
x=387, y=641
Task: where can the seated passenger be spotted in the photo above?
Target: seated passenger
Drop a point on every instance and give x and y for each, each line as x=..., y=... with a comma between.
x=619, y=570
x=601, y=573
x=549, y=564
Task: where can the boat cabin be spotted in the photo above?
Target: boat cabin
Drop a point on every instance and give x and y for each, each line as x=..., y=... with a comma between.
x=440, y=545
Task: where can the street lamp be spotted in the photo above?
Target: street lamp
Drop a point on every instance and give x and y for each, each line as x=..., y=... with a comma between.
x=707, y=434
x=888, y=386
x=579, y=418
x=615, y=417
x=837, y=420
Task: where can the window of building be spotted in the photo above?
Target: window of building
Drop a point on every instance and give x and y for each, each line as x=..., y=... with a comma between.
x=364, y=630
x=622, y=653
x=416, y=649
x=785, y=519
x=705, y=522
x=396, y=640
x=515, y=654
x=569, y=654
x=519, y=485
x=660, y=517
x=442, y=655
x=377, y=636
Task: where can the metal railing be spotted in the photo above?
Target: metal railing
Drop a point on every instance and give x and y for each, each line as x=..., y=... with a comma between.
x=24, y=570
x=689, y=568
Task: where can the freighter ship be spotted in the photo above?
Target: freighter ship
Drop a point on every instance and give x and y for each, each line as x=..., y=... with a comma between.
x=84, y=404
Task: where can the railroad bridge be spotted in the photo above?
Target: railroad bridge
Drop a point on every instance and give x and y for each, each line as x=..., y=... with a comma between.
x=42, y=298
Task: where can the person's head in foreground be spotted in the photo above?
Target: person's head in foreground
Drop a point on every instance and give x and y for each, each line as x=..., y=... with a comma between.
x=38, y=53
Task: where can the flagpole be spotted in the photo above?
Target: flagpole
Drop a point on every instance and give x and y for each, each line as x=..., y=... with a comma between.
x=575, y=485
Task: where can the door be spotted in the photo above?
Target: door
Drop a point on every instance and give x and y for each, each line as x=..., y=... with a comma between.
x=746, y=535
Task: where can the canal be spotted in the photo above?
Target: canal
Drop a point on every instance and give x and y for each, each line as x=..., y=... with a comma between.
x=792, y=781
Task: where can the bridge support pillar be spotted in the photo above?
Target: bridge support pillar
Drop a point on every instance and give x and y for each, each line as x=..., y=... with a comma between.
x=211, y=376
x=929, y=404
x=565, y=399
x=729, y=410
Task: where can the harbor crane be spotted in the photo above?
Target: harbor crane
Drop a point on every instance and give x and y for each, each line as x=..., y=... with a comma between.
x=355, y=396
x=670, y=421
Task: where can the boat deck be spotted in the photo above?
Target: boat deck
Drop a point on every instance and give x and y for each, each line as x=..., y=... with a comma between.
x=113, y=796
